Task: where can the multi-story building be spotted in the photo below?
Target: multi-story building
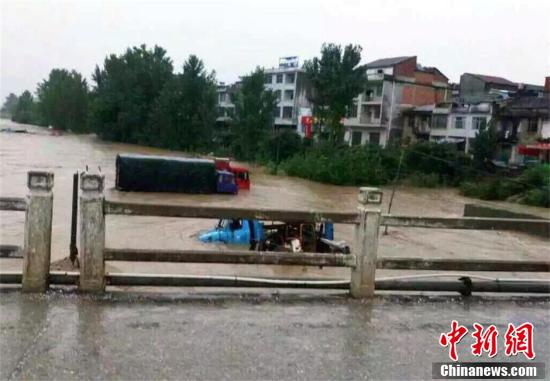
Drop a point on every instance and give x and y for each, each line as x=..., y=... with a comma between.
x=289, y=83
x=225, y=107
x=394, y=85
x=520, y=114
x=448, y=122
x=523, y=122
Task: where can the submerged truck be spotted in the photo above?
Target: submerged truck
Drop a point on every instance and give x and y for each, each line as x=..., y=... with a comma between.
x=242, y=176
x=276, y=236
x=150, y=173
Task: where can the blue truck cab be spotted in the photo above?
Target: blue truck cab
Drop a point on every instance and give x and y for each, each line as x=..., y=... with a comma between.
x=225, y=182
x=235, y=231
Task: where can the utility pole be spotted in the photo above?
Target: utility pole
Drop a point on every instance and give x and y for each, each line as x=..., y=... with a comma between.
x=395, y=185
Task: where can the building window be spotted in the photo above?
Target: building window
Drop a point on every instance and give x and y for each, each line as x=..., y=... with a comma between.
x=439, y=121
x=268, y=78
x=289, y=95
x=287, y=112
x=369, y=95
x=222, y=97
x=290, y=77
x=356, y=137
x=373, y=92
x=374, y=138
x=277, y=94
x=479, y=122
x=352, y=110
x=459, y=122
x=279, y=78
x=277, y=112
x=229, y=112
x=371, y=113
x=533, y=125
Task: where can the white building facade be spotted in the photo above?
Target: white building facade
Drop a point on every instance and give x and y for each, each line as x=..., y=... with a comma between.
x=394, y=85
x=289, y=84
x=460, y=123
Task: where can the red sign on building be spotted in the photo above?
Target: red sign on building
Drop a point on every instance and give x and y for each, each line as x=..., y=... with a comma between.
x=307, y=122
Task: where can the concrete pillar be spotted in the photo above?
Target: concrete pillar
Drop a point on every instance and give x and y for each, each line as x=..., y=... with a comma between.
x=92, y=233
x=366, y=242
x=38, y=232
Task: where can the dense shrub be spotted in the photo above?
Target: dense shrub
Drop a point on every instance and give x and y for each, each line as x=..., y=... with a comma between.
x=537, y=176
x=428, y=164
x=484, y=190
x=359, y=165
x=425, y=180
x=442, y=160
x=280, y=145
x=532, y=187
x=537, y=197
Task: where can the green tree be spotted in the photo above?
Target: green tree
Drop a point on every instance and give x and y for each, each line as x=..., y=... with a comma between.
x=185, y=113
x=63, y=100
x=24, y=111
x=281, y=145
x=126, y=90
x=336, y=78
x=253, y=117
x=10, y=104
x=485, y=144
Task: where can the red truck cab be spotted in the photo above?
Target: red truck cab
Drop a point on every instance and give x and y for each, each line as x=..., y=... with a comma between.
x=242, y=176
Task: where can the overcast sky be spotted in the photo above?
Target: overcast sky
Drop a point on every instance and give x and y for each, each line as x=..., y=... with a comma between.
x=509, y=38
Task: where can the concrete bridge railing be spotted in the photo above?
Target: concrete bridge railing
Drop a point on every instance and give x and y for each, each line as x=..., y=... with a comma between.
x=93, y=253
x=38, y=208
x=363, y=261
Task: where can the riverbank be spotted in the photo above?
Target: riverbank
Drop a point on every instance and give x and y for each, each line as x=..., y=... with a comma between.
x=68, y=153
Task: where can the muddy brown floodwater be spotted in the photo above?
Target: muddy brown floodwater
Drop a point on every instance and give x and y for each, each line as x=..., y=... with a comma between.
x=38, y=150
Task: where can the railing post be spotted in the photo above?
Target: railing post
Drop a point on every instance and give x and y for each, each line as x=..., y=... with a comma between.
x=92, y=233
x=366, y=242
x=38, y=232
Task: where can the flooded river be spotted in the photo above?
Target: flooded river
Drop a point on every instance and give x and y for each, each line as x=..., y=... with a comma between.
x=66, y=154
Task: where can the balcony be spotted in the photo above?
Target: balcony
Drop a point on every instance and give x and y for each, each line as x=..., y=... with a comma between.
x=372, y=98
x=370, y=115
x=370, y=119
x=422, y=128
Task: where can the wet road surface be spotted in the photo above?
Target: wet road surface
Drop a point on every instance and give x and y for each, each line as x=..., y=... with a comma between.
x=287, y=337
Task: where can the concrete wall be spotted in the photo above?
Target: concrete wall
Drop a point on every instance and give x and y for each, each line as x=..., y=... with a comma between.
x=468, y=130
x=300, y=89
x=365, y=134
x=406, y=68
x=391, y=107
x=470, y=85
x=474, y=210
x=417, y=94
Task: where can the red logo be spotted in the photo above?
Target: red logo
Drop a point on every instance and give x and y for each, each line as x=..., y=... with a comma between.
x=516, y=340
x=520, y=340
x=485, y=342
x=452, y=338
